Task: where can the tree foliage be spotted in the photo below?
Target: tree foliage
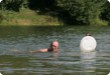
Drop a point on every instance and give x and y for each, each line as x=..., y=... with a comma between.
x=89, y=12
x=12, y=4
x=106, y=12
x=84, y=11
x=42, y=5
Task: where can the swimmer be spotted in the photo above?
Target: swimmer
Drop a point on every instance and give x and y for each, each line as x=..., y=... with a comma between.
x=54, y=46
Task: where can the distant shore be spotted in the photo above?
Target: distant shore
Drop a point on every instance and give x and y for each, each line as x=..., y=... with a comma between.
x=27, y=17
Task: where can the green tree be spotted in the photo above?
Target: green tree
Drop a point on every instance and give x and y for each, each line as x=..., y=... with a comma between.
x=106, y=12
x=84, y=11
x=12, y=4
x=42, y=5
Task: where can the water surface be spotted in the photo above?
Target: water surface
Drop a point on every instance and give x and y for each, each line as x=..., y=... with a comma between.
x=16, y=42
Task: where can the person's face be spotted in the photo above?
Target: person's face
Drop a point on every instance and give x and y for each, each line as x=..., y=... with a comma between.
x=54, y=47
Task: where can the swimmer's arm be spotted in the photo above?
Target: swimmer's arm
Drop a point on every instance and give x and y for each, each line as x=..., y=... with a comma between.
x=41, y=50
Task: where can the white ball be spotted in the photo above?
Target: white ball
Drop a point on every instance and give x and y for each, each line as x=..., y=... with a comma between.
x=88, y=43
x=0, y=74
x=109, y=0
x=109, y=73
x=0, y=0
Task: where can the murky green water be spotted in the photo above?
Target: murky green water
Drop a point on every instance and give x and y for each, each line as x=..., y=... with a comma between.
x=16, y=42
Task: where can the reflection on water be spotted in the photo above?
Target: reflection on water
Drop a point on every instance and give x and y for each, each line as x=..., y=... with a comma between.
x=16, y=42
x=88, y=61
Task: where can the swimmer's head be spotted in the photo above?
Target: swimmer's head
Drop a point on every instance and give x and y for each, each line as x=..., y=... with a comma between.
x=88, y=34
x=54, y=45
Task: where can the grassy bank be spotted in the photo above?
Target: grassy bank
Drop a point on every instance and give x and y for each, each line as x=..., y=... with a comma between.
x=27, y=17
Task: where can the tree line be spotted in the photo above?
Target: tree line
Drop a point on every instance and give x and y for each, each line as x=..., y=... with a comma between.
x=72, y=12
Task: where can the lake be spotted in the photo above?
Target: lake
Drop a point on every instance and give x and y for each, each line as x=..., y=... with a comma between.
x=16, y=42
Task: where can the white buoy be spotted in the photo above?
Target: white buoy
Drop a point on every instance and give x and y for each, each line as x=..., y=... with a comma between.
x=109, y=73
x=0, y=1
x=88, y=44
x=109, y=0
x=1, y=74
